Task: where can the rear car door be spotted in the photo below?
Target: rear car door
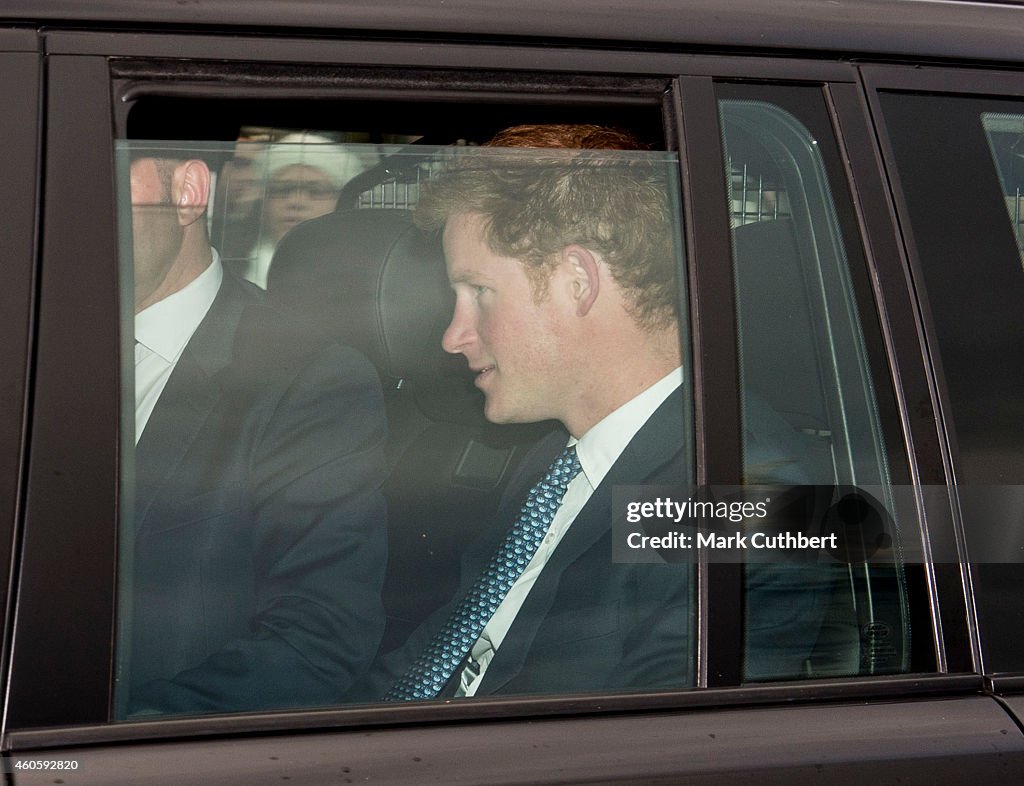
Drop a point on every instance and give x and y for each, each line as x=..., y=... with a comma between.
x=802, y=330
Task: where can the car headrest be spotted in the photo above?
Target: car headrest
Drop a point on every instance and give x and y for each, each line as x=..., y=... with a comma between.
x=372, y=280
x=776, y=328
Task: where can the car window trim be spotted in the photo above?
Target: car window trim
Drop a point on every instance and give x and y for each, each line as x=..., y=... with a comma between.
x=970, y=82
x=20, y=76
x=903, y=335
x=69, y=539
x=501, y=709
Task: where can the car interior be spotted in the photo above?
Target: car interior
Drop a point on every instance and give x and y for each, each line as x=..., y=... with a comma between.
x=370, y=278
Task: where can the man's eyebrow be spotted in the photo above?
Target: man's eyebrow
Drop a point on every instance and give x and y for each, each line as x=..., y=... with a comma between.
x=465, y=276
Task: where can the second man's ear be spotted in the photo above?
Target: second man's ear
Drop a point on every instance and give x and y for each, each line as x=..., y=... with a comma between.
x=192, y=188
x=583, y=268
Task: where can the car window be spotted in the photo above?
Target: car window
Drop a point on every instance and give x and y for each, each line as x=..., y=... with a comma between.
x=309, y=467
x=325, y=454
x=312, y=467
x=960, y=191
x=1005, y=135
x=810, y=405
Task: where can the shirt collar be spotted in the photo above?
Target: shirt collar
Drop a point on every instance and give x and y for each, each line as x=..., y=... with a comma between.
x=604, y=442
x=165, y=327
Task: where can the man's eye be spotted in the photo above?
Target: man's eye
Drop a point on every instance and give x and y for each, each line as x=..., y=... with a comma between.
x=479, y=290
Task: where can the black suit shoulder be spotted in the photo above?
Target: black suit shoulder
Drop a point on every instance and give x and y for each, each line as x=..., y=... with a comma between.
x=259, y=534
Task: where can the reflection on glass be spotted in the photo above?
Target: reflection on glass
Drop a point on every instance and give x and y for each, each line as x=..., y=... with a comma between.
x=1005, y=134
x=267, y=188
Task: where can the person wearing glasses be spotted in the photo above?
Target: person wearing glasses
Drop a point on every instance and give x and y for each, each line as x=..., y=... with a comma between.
x=305, y=175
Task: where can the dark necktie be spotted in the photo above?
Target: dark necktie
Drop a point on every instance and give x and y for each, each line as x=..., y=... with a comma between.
x=438, y=662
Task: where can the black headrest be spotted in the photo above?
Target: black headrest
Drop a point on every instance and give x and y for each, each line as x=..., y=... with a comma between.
x=776, y=321
x=374, y=281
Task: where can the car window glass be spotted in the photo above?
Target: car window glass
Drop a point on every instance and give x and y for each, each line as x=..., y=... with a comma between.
x=959, y=188
x=315, y=466
x=307, y=468
x=1006, y=141
x=810, y=406
x=277, y=178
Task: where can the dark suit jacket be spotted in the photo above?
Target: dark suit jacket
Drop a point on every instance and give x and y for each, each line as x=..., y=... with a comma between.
x=590, y=624
x=257, y=551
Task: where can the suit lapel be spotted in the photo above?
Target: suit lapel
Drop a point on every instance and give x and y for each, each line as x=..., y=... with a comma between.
x=185, y=403
x=659, y=453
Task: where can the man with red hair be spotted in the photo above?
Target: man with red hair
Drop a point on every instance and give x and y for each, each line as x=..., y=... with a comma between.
x=564, y=263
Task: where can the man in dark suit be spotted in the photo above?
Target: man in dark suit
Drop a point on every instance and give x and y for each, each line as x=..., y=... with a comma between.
x=564, y=265
x=254, y=549
x=588, y=623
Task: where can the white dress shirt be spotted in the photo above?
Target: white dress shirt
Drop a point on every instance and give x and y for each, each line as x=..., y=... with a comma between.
x=161, y=333
x=598, y=450
x=257, y=269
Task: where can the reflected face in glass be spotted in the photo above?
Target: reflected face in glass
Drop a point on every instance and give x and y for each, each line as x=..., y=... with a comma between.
x=240, y=182
x=156, y=233
x=295, y=194
x=512, y=342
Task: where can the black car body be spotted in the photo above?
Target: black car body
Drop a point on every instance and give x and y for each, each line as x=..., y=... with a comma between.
x=908, y=112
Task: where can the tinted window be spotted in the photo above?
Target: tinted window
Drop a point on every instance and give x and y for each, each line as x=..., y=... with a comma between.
x=960, y=191
x=316, y=481
x=309, y=466
x=1006, y=140
x=813, y=413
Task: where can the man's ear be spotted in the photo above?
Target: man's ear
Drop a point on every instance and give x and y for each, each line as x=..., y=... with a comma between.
x=583, y=268
x=191, y=190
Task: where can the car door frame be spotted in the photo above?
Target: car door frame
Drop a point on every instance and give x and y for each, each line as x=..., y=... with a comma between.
x=72, y=482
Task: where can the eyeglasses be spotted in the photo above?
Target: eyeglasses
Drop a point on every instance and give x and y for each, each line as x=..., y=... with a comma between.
x=282, y=189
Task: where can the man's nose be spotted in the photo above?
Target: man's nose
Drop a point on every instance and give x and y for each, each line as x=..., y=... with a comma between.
x=458, y=334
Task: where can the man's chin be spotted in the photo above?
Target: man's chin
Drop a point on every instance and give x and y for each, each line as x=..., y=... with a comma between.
x=495, y=416
x=495, y=413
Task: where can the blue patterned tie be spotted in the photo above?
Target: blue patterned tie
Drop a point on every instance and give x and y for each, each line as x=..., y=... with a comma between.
x=438, y=662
